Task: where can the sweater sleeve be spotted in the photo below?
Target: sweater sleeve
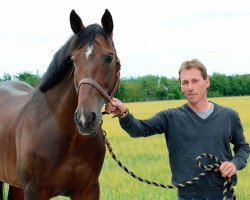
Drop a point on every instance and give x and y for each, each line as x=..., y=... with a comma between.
x=143, y=128
x=241, y=147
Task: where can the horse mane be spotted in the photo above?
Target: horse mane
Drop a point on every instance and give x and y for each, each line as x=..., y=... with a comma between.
x=61, y=62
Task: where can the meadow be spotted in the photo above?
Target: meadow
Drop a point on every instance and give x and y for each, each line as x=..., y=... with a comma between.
x=148, y=157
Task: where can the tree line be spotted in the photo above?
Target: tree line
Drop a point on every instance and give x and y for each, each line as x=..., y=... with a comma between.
x=151, y=87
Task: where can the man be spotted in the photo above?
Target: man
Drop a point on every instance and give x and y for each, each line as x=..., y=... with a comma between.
x=199, y=126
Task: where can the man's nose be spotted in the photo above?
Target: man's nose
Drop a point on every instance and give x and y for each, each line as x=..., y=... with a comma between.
x=190, y=86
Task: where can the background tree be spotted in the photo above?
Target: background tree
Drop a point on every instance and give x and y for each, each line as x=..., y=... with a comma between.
x=6, y=77
x=150, y=87
x=32, y=79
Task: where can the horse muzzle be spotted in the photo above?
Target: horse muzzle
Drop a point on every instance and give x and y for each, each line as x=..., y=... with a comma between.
x=87, y=122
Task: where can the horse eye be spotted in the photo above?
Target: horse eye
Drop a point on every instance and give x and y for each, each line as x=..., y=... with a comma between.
x=108, y=59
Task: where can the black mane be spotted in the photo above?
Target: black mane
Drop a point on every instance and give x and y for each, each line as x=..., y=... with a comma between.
x=61, y=62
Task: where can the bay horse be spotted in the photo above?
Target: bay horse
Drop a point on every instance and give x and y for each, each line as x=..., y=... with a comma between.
x=50, y=135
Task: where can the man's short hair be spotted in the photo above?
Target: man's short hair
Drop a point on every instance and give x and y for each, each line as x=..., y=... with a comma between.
x=196, y=64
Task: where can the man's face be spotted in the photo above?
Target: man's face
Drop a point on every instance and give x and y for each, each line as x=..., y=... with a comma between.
x=193, y=86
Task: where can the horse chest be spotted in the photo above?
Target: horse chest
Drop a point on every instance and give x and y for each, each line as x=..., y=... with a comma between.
x=71, y=176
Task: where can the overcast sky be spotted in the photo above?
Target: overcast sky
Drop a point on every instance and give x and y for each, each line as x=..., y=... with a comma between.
x=151, y=37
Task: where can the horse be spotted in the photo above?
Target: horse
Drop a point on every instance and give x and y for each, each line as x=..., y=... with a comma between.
x=50, y=136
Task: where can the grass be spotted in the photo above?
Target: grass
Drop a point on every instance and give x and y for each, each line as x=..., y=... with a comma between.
x=147, y=157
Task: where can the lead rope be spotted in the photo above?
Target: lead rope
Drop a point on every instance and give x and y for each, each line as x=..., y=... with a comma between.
x=208, y=168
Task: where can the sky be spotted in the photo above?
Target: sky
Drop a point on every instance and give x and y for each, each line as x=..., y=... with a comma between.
x=151, y=36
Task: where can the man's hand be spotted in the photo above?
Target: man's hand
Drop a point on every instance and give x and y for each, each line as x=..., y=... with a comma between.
x=227, y=169
x=115, y=106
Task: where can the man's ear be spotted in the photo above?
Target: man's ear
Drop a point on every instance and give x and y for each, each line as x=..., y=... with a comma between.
x=207, y=82
x=181, y=88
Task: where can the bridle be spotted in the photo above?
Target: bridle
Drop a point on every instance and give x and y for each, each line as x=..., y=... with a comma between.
x=99, y=88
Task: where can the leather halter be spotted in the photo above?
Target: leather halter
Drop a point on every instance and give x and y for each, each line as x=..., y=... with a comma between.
x=97, y=86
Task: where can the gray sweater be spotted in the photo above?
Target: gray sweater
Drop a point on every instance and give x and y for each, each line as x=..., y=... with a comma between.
x=187, y=136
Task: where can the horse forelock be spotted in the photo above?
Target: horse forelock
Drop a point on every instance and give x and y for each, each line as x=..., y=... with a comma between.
x=88, y=35
x=61, y=62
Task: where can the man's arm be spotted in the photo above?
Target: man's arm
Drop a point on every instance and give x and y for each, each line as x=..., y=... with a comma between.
x=135, y=127
x=241, y=149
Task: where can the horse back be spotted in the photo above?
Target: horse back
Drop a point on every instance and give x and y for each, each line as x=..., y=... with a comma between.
x=12, y=92
x=15, y=87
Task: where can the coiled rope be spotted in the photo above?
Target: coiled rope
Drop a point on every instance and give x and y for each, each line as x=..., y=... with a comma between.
x=208, y=168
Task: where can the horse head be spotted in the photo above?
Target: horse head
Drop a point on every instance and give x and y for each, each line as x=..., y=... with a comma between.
x=96, y=70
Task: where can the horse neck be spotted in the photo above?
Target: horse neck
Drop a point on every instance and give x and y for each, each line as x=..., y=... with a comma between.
x=62, y=98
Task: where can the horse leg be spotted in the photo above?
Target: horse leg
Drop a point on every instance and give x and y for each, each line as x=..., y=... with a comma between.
x=91, y=193
x=32, y=192
x=15, y=193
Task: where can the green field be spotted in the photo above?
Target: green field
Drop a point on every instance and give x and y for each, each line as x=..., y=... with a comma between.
x=147, y=157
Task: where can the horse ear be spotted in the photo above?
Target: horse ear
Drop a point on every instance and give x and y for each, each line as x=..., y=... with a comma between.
x=75, y=22
x=107, y=22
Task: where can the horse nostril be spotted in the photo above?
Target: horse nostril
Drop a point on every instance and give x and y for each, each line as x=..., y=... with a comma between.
x=79, y=119
x=85, y=119
x=92, y=118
